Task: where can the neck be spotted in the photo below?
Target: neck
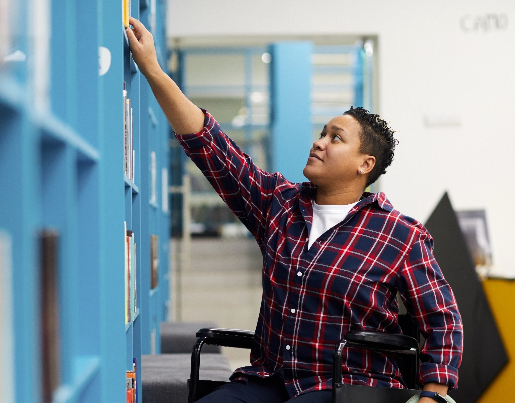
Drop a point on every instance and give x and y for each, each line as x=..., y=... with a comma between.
x=337, y=197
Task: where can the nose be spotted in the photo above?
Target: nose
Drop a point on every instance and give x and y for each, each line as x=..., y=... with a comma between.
x=319, y=144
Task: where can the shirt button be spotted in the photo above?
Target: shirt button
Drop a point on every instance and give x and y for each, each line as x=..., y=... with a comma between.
x=288, y=347
x=299, y=273
x=292, y=310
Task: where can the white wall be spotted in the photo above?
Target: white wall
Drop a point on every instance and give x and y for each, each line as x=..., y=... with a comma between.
x=450, y=93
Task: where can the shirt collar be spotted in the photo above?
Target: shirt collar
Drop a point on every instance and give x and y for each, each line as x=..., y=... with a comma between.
x=309, y=190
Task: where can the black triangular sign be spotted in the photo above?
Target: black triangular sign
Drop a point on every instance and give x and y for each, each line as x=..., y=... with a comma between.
x=483, y=353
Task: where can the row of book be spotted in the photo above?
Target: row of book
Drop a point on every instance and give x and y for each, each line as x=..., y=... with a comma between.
x=131, y=301
x=129, y=154
x=131, y=384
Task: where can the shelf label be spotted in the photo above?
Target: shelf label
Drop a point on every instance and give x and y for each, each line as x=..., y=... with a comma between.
x=104, y=60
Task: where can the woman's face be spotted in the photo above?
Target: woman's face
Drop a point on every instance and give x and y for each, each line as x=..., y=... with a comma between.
x=334, y=159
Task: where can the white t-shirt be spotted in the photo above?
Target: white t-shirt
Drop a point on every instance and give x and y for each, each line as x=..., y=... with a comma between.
x=326, y=217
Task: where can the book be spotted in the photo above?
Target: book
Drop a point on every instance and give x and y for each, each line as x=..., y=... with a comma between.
x=126, y=275
x=129, y=153
x=125, y=130
x=135, y=289
x=127, y=136
x=7, y=392
x=50, y=323
x=153, y=185
x=40, y=56
x=164, y=190
x=130, y=277
x=130, y=381
x=5, y=29
x=131, y=145
x=125, y=12
x=153, y=334
x=154, y=261
x=131, y=300
x=134, y=366
x=152, y=17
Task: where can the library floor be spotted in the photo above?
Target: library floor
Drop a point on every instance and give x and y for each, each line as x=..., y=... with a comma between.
x=221, y=284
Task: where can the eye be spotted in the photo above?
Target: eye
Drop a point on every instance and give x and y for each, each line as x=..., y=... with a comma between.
x=322, y=135
x=337, y=137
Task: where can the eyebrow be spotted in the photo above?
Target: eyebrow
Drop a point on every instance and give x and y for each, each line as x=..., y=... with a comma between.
x=335, y=128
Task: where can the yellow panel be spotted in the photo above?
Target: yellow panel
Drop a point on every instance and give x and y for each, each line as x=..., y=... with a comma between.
x=501, y=297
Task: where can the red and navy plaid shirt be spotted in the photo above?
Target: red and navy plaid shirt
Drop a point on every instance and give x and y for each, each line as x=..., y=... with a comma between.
x=347, y=280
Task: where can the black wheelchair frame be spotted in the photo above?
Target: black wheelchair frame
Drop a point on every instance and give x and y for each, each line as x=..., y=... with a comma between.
x=406, y=346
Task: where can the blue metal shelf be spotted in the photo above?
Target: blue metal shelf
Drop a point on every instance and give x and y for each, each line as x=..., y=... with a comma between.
x=11, y=93
x=131, y=184
x=53, y=129
x=61, y=167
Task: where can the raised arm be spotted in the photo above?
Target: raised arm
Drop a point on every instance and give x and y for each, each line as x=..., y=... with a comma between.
x=184, y=116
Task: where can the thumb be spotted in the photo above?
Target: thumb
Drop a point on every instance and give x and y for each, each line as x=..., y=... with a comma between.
x=130, y=35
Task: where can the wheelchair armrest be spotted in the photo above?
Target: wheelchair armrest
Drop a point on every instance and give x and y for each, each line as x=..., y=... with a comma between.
x=378, y=341
x=220, y=337
x=381, y=341
x=226, y=337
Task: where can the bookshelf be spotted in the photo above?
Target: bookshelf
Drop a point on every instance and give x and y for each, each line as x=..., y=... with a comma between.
x=62, y=175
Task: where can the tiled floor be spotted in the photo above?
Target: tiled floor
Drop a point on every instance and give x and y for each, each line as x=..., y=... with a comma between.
x=222, y=285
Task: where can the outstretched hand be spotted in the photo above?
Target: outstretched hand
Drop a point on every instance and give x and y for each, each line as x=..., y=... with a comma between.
x=182, y=114
x=141, y=44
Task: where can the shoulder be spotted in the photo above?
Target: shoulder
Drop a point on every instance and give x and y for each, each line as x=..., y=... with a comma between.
x=401, y=222
x=290, y=191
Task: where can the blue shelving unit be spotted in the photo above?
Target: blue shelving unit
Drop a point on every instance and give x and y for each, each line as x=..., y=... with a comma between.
x=61, y=168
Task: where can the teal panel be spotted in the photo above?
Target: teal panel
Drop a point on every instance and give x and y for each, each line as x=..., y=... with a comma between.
x=291, y=103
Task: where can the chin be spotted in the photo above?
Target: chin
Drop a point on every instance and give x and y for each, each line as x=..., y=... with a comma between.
x=309, y=177
x=305, y=172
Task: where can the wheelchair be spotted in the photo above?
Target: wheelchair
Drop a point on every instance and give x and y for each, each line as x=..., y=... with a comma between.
x=405, y=346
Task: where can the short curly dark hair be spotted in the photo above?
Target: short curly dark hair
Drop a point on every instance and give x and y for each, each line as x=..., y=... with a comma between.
x=376, y=139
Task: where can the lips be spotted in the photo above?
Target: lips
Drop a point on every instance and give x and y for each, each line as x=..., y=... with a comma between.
x=313, y=155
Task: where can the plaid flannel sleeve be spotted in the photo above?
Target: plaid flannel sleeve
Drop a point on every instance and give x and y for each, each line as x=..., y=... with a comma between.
x=245, y=188
x=430, y=300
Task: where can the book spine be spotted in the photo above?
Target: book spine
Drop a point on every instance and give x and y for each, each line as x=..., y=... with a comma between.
x=131, y=147
x=132, y=275
x=124, y=129
x=154, y=261
x=153, y=191
x=164, y=190
x=125, y=13
x=131, y=385
x=50, y=323
x=129, y=279
x=135, y=281
x=126, y=273
x=6, y=319
x=127, y=136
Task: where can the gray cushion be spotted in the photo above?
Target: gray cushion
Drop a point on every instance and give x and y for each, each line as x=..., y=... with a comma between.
x=164, y=376
x=179, y=337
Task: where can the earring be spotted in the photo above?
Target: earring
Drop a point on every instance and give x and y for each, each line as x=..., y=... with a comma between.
x=360, y=171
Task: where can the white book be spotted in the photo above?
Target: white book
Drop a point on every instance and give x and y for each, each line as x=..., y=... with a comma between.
x=164, y=188
x=153, y=190
x=124, y=130
x=131, y=149
x=5, y=29
x=7, y=391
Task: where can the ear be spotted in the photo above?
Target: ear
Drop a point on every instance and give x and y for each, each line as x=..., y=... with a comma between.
x=367, y=165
